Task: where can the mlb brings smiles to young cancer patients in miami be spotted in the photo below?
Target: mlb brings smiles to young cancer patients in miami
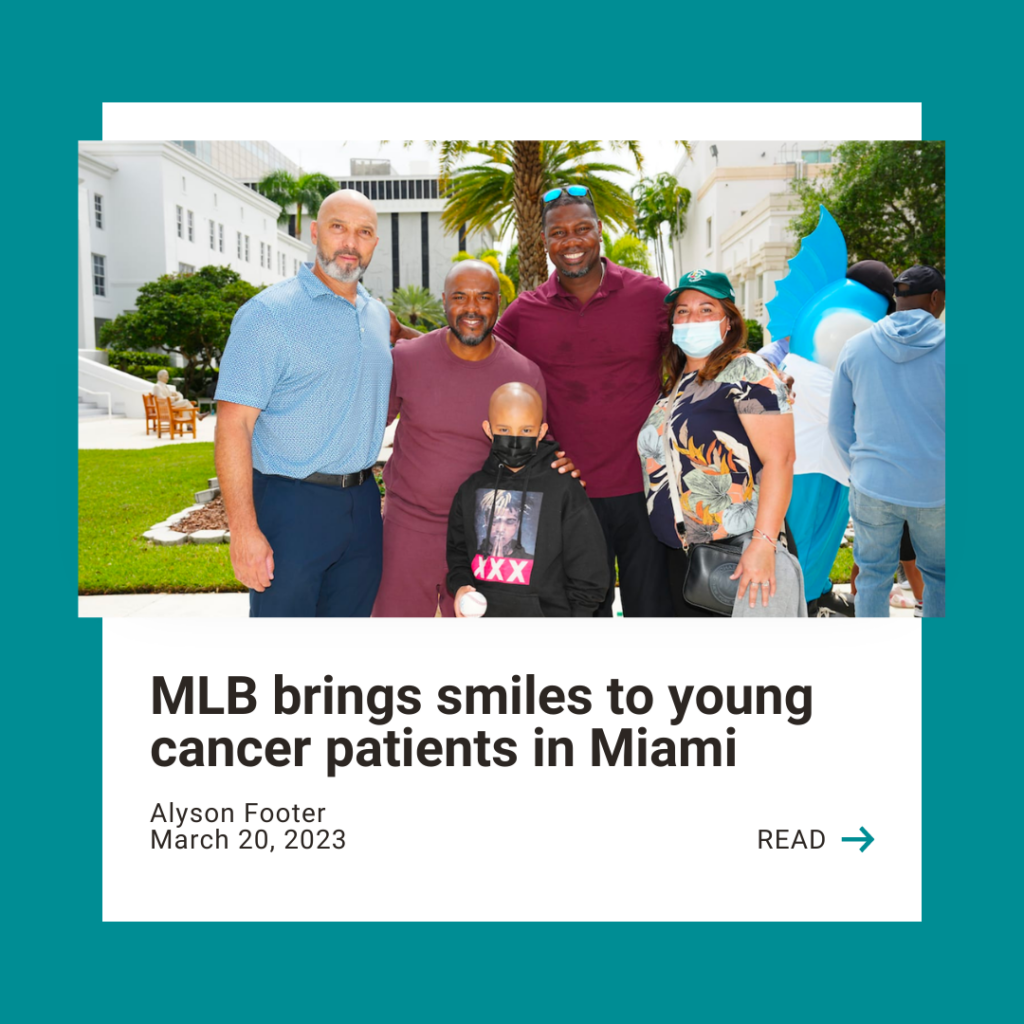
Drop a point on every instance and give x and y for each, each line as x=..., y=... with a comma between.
x=604, y=434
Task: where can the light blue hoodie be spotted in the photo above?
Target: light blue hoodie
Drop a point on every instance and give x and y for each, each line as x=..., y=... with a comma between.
x=887, y=416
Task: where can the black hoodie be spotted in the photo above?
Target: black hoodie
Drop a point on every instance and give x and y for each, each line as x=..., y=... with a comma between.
x=530, y=542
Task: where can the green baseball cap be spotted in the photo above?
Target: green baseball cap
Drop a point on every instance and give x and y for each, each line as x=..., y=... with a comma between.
x=706, y=281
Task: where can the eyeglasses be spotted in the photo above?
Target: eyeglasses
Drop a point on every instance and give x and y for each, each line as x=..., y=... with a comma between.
x=572, y=190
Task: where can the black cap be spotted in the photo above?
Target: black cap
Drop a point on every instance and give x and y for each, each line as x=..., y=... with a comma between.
x=875, y=275
x=919, y=281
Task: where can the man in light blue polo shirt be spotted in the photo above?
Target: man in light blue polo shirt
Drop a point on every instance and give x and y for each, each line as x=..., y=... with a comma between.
x=302, y=403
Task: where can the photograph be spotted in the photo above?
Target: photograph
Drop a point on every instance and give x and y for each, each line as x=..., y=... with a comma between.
x=385, y=378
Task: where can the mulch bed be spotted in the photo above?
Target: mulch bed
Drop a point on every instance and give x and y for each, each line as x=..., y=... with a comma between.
x=214, y=516
x=210, y=517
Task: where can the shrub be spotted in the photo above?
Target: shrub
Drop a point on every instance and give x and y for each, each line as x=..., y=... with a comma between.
x=140, y=364
x=755, y=335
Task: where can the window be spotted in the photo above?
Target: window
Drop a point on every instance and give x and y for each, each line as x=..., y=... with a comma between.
x=220, y=237
x=709, y=236
x=181, y=222
x=246, y=248
x=186, y=268
x=214, y=199
x=760, y=287
x=816, y=156
x=97, y=205
x=433, y=189
x=387, y=189
x=425, y=247
x=213, y=235
x=394, y=251
x=295, y=264
x=191, y=226
x=270, y=261
x=239, y=233
x=183, y=188
x=99, y=275
x=263, y=252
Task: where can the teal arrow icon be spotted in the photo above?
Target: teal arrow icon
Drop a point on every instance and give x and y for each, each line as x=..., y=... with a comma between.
x=867, y=838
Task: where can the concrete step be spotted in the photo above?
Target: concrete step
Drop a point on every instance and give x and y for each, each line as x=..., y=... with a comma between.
x=87, y=411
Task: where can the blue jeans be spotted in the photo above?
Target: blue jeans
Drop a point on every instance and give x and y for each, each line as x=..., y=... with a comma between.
x=877, y=529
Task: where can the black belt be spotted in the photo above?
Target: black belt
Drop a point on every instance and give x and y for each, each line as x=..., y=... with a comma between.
x=339, y=480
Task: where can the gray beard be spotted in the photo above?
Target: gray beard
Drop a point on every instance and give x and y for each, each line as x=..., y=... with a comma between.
x=582, y=272
x=332, y=270
x=469, y=339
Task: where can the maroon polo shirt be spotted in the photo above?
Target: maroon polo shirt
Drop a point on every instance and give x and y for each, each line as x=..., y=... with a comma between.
x=601, y=363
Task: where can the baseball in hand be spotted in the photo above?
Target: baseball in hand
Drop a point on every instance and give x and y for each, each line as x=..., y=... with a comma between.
x=472, y=604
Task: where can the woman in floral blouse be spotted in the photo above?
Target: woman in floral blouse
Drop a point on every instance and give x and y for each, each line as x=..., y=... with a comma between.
x=731, y=440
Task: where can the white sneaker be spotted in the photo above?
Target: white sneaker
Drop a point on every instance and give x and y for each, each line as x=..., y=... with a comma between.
x=901, y=577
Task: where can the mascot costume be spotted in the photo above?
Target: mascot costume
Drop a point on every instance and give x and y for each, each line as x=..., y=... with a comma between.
x=819, y=309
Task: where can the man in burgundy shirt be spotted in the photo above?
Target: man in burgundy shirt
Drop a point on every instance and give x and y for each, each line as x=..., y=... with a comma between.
x=441, y=384
x=597, y=331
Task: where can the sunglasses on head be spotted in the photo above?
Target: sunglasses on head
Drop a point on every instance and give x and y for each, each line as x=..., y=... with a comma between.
x=572, y=190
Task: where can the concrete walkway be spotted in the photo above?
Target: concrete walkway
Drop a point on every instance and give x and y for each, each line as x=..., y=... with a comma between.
x=233, y=606
x=105, y=432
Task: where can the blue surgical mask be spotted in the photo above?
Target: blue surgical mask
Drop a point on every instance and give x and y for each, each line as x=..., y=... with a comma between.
x=698, y=339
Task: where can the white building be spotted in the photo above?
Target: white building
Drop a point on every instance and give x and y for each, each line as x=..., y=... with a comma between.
x=152, y=208
x=414, y=248
x=741, y=208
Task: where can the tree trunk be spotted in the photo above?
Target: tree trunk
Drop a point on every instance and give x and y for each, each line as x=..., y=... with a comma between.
x=529, y=181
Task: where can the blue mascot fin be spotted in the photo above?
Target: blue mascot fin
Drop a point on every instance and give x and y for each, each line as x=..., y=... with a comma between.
x=820, y=261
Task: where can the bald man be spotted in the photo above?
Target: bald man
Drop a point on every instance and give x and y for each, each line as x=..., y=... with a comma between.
x=302, y=406
x=440, y=389
x=519, y=533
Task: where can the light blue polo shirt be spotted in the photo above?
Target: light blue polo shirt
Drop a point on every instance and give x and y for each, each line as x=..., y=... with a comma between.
x=319, y=368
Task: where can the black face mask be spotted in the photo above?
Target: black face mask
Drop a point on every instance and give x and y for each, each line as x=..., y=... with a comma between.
x=513, y=452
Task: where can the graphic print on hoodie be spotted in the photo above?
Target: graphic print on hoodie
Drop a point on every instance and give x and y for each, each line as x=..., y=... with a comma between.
x=506, y=534
x=530, y=542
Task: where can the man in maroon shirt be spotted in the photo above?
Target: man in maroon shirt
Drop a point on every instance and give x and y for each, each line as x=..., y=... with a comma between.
x=441, y=384
x=597, y=331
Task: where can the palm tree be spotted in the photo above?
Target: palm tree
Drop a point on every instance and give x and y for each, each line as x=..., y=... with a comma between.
x=306, y=192
x=414, y=306
x=627, y=251
x=660, y=200
x=492, y=258
x=507, y=188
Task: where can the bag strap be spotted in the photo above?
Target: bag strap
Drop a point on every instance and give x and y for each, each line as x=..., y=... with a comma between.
x=666, y=442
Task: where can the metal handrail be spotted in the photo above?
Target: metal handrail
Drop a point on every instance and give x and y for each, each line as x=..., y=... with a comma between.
x=110, y=409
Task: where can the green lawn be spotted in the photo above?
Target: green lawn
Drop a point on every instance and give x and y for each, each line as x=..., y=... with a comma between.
x=843, y=566
x=121, y=494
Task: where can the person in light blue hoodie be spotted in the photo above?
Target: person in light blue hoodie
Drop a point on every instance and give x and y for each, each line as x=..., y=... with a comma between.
x=887, y=419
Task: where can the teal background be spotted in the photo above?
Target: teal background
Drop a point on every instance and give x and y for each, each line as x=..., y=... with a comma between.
x=64, y=963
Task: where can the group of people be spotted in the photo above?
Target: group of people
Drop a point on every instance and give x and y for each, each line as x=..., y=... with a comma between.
x=682, y=434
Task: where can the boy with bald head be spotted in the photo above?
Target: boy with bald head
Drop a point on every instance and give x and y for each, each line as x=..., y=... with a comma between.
x=519, y=532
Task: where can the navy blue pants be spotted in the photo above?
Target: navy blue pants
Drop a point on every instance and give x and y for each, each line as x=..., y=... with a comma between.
x=643, y=559
x=327, y=547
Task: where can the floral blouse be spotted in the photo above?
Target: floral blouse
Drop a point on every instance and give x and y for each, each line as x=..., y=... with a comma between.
x=717, y=468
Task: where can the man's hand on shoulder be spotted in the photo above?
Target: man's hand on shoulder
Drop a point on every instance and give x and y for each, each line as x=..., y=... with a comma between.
x=565, y=465
x=252, y=558
x=399, y=331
